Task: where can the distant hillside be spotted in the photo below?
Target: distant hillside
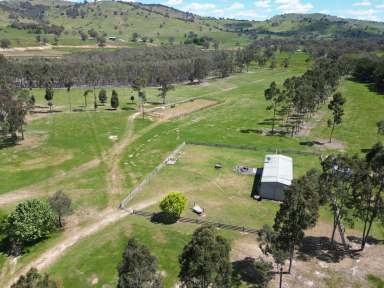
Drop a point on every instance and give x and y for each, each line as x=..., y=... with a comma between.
x=319, y=26
x=121, y=22
x=131, y=24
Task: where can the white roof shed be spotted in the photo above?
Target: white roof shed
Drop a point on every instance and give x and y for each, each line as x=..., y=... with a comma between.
x=277, y=174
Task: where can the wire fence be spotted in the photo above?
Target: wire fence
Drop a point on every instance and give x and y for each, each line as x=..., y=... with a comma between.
x=242, y=229
x=149, y=177
x=253, y=148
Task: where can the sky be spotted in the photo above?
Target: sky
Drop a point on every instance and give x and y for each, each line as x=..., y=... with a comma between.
x=264, y=9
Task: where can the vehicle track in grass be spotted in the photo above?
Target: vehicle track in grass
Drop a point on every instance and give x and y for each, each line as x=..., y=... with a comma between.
x=103, y=218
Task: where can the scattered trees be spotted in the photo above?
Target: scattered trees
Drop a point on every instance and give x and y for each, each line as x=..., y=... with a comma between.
x=30, y=222
x=138, y=268
x=205, y=260
x=336, y=106
x=173, y=205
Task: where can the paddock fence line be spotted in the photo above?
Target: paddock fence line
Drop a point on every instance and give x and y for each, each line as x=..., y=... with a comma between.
x=149, y=177
x=223, y=226
x=253, y=148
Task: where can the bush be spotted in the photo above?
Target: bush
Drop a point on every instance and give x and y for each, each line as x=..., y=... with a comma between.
x=33, y=279
x=5, y=43
x=173, y=204
x=30, y=222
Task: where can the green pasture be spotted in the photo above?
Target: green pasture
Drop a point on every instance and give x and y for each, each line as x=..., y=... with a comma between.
x=62, y=141
x=57, y=143
x=225, y=195
x=98, y=256
x=363, y=109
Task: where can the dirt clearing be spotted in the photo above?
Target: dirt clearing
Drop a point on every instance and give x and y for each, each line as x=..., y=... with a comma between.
x=179, y=110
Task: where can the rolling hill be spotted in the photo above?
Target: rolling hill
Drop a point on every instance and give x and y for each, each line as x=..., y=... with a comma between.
x=133, y=24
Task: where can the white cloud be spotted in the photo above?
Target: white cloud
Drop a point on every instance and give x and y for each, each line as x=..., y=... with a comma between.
x=263, y=3
x=293, y=6
x=199, y=6
x=369, y=14
x=236, y=5
x=362, y=3
x=173, y=2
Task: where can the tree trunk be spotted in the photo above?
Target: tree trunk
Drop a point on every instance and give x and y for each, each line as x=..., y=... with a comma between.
x=281, y=277
x=70, y=101
x=330, y=137
x=22, y=132
x=290, y=259
x=273, y=121
x=94, y=98
x=334, y=229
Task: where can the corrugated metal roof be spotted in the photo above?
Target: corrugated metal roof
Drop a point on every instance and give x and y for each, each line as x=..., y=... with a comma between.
x=277, y=168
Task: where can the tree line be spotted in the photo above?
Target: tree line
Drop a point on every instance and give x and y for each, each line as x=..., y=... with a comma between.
x=122, y=67
x=301, y=96
x=370, y=69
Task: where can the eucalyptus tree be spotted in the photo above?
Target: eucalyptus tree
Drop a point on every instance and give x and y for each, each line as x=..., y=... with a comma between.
x=298, y=212
x=275, y=98
x=205, y=260
x=270, y=244
x=369, y=191
x=337, y=187
x=138, y=268
x=85, y=95
x=49, y=96
x=336, y=106
x=165, y=81
x=138, y=85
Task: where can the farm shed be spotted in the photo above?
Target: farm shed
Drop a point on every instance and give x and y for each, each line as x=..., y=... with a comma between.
x=277, y=175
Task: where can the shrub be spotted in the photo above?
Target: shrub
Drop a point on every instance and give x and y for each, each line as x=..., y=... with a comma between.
x=173, y=204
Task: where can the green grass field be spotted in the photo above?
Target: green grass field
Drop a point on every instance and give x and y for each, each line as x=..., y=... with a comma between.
x=59, y=142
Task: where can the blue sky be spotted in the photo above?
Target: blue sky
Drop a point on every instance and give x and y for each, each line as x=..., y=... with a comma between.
x=263, y=9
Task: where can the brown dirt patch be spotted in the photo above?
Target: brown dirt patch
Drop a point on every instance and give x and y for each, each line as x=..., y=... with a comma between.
x=309, y=125
x=182, y=109
x=41, y=162
x=336, y=145
x=244, y=247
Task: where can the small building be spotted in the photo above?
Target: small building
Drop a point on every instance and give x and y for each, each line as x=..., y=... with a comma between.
x=277, y=175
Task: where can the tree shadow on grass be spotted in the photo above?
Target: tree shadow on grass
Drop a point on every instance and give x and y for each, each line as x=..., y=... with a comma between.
x=163, y=218
x=7, y=142
x=322, y=249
